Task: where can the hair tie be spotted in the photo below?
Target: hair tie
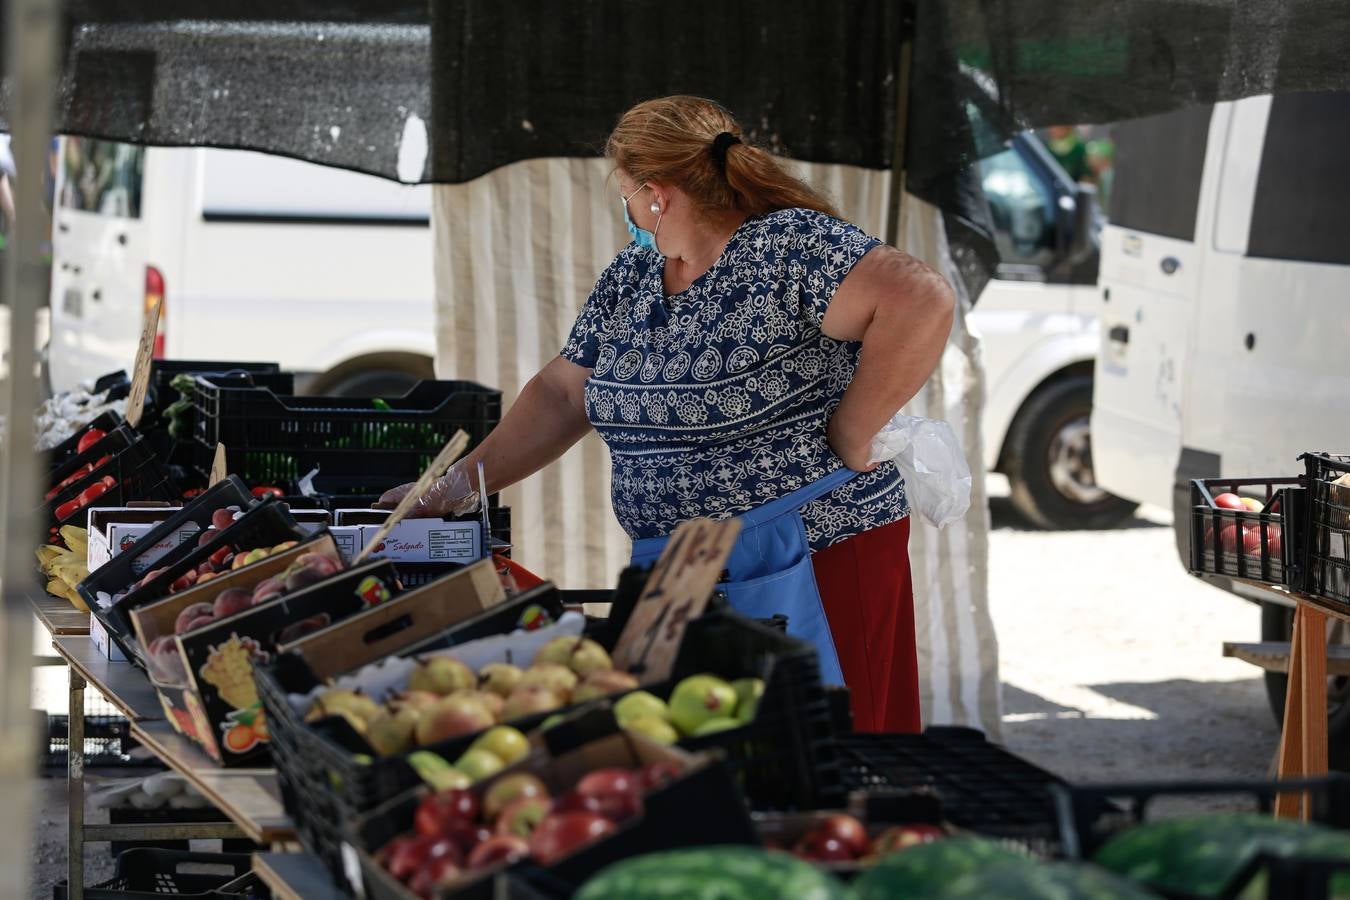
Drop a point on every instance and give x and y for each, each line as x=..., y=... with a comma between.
x=720, y=145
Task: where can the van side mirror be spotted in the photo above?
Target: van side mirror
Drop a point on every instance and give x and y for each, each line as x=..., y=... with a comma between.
x=1083, y=242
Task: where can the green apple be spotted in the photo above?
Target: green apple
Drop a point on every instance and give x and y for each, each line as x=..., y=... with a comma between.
x=552, y=720
x=748, y=692
x=478, y=763
x=640, y=704
x=699, y=698
x=504, y=742
x=714, y=725
x=655, y=729
x=438, y=773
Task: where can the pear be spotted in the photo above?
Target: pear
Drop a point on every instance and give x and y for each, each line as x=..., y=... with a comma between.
x=640, y=705
x=653, y=728
x=493, y=702
x=500, y=678
x=552, y=676
x=441, y=675
x=602, y=683
x=393, y=732
x=336, y=702
x=582, y=655
x=748, y=691
x=529, y=700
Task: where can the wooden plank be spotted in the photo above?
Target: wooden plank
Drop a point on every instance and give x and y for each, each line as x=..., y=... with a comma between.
x=140, y=372
x=125, y=686
x=1314, y=676
x=58, y=616
x=251, y=798
x=676, y=592
x=294, y=876
x=1273, y=656
x=1291, y=733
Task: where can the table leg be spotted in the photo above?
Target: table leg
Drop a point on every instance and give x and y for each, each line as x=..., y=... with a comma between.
x=75, y=788
x=1314, y=697
x=1291, y=734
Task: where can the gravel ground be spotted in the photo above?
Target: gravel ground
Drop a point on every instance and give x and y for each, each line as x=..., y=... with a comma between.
x=1110, y=658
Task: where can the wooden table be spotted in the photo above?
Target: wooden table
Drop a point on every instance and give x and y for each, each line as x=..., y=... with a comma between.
x=58, y=616
x=294, y=876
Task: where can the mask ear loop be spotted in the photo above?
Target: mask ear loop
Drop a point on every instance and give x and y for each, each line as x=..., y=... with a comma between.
x=657, y=230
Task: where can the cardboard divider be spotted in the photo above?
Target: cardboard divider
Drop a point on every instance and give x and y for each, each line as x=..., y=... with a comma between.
x=412, y=617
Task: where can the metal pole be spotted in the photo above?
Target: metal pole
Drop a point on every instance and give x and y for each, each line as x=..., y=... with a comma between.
x=31, y=33
x=897, y=186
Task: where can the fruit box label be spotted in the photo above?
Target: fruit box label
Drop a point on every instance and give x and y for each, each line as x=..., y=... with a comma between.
x=221, y=656
x=428, y=540
x=113, y=531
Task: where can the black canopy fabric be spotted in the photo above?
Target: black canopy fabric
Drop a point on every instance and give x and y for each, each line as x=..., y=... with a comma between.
x=448, y=90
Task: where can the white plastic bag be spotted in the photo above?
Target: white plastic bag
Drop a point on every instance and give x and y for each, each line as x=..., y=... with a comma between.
x=937, y=479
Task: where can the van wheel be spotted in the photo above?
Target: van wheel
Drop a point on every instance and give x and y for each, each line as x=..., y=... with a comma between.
x=374, y=383
x=1049, y=461
x=1277, y=624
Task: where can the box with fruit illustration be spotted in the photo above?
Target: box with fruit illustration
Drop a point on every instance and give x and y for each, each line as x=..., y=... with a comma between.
x=203, y=643
x=571, y=809
x=307, y=785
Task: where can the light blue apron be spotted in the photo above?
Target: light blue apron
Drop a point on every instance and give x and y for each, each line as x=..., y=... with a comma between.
x=770, y=569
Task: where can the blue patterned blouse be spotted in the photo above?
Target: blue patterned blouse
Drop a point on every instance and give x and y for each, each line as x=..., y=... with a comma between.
x=715, y=400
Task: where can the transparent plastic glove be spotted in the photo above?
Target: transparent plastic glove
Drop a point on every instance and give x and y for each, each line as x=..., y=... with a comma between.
x=937, y=478
x=450, y=495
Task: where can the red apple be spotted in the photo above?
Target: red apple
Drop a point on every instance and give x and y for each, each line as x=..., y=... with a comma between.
x=435, y=875
x=523, y=816
x=1228, y=537
x=617, y=790
x=573, y=801
x=659, y=774
x=821, y=847
x=899, y=837
x=1251, y=540
x=405, y=854
x=561, y=833
x=222, y=518
x=499, y=849
x=467, y=834
x=846, y=829
x=437, y=812
x=1229, y=500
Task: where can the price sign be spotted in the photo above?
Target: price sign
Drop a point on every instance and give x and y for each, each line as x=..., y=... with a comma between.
x=676, y=592
x=140, y=373
x=449, y=453
x=219, y=470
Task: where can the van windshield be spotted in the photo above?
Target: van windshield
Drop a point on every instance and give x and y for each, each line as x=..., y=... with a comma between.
x=102, y=177
x=1158, y=164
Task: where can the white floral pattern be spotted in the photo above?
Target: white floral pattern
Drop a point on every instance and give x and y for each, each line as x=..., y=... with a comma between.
x=747, y=381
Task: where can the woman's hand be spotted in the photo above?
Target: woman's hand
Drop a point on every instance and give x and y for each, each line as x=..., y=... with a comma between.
x=450, y=495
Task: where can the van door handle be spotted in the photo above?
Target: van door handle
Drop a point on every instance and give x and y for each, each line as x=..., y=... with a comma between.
x=1119, y=333
x=63, y=228
x=1169, y=264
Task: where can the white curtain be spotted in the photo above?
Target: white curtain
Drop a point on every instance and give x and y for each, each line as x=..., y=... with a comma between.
x=517, y=252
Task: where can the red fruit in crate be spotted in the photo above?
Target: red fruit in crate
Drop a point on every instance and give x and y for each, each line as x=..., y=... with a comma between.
x=846, y=829
x=230, y=601
x=94, y=491
x=561, y=833
x=659, y=774
x=821, y=847
x=1251, y=541
x=618, y=792
x=437, y=812
x=523, y=816
x=222, y=518
x=67, y=509
x=218, y=558
x=508, y=789
x=199, y=622
x=405, y=854
x=89, y=439
x=1229, y=500
x=189, y=613
x=899, y=837
x=149, y=577
x=1228, y=537
x=498, y=850
x=573, y=801
x=466, y=835
x=205, y=537
x=437, y=874
x=261, y=492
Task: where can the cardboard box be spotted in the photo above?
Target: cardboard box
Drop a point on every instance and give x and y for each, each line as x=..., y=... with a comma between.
x=99, y=637
x=420, y=540
x=115, y=529
x=215, y=702
x=348, y=540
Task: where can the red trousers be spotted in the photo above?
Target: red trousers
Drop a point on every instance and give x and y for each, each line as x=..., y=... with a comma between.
x=868, y=595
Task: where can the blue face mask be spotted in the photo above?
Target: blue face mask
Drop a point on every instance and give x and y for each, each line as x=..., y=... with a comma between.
x=641, y=236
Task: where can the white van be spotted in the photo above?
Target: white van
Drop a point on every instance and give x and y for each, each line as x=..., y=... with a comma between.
x=257, y=257
x=330, y=272
x=1224, y=278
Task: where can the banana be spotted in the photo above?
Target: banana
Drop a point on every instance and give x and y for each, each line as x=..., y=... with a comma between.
x=76, y=538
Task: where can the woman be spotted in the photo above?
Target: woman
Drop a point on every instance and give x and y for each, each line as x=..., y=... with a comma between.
x=738, y=357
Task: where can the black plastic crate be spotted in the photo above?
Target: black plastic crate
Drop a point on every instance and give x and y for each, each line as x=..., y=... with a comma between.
x=113, y=442
x=107, y=742
x=982, y=787
x=417, y=424
x=151, y=873
x=162, y=395
x=1256, y=546
x=63, y=451
x=1326, y=557
x=1088, y=816
x=137, y=475
x=130, y=815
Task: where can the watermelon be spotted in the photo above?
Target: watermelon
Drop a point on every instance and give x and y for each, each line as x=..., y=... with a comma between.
x=1201, y=855
x=1058, y=881
x=712, y=873
x=926, y=870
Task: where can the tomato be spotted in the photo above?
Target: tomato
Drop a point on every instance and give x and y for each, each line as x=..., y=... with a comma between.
x=94, y=491
x=67, y=509
x=261, y=492
x=89, y=439
x=79, y=473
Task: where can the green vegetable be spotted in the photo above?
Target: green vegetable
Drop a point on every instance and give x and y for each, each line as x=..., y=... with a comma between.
x=1200, y=855
x=1060, y=881
x=713, y=873
x=926, y=870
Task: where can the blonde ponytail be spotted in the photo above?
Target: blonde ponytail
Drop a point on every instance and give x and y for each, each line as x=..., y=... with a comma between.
x=670, y=140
